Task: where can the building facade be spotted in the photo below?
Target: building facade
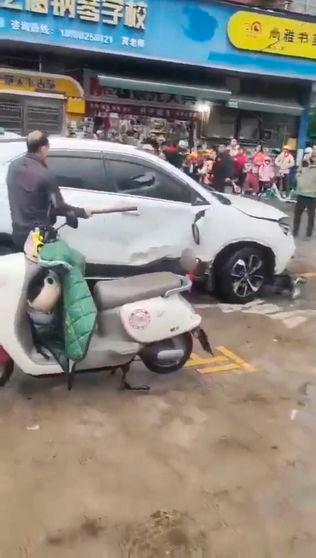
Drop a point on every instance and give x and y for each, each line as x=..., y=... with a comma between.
x=307, y=7
x=221, y=68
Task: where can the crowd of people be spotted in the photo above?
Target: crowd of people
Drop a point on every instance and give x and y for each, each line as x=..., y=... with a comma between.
x=254, y=171
x=251, y=171
x=232, y=167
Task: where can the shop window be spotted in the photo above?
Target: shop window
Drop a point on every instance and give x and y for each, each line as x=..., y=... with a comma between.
x=249, y=128
x=140, y=180
x=78, y=172
x=222, y=122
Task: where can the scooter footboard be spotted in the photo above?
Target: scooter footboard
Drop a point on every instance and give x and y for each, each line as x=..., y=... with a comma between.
x=158, y=318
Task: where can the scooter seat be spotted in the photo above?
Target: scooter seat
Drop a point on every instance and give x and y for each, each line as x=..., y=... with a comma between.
x=110, y=294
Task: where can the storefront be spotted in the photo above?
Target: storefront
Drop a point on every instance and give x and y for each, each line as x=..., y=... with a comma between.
x=30, y=100
x=258, y=67
x=127, y=115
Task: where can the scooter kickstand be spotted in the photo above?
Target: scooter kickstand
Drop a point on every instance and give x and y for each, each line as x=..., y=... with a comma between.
x=126, y=385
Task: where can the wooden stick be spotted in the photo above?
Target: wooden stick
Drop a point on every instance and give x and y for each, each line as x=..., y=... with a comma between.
x=114, y=209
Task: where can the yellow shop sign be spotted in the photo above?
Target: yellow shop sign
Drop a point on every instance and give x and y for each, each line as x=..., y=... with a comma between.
x=272, y=34
x=13, y=80
x=25, y=80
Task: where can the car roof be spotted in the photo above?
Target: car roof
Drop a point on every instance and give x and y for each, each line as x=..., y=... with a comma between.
x=89, y=144
x=15, y=148
x=83, y=144
x=106, y=147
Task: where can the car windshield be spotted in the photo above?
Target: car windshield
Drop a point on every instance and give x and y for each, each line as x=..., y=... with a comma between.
x=10, y=149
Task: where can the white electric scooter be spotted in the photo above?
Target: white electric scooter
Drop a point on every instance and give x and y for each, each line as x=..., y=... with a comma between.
x=143, y=316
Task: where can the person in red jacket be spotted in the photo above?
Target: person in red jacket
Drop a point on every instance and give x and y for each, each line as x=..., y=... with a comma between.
x=240, y=161
x=175, y=155
x=258, y=158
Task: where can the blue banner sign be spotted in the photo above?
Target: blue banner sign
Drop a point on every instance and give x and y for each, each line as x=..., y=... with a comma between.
x=185, y=31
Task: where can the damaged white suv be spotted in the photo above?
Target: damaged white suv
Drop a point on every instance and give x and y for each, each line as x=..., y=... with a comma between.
x=240, y=243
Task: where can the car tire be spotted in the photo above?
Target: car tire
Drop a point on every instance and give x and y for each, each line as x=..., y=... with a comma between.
x=242, y=275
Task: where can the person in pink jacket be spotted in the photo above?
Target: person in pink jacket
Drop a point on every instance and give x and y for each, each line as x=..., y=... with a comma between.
x=258, y=158
x=284, y=162
x=266, y=174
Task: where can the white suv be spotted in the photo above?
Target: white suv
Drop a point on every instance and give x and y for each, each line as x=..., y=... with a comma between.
x=240, y=242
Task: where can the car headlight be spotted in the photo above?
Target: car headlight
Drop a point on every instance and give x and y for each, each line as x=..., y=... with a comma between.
x=285, y=226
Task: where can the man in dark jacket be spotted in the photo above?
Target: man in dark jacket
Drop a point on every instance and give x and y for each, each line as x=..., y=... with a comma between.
x=223, y=168
x=174, y=155
x=33, y=191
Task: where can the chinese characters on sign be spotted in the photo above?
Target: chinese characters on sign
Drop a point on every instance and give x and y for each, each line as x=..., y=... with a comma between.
x=132, y=14
x=30, y=27
x=106, y=14
x=272, y=34
x=135, y=43
x=101, y=109
x=103, y=99
x=94, y=90
x=33, y=81
x=18, y=81
x=292, y=36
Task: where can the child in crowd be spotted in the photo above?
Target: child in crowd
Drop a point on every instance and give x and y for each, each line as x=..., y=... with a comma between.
x=206, y=172
x=266, y=174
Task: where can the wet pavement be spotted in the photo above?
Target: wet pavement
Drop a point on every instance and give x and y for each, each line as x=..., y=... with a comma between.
x=217, y=464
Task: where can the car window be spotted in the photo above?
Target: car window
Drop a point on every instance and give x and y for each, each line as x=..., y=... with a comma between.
x=78, y=172
x=142, y=180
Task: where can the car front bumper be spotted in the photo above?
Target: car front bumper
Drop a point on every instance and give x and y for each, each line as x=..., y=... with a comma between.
x=286, y=251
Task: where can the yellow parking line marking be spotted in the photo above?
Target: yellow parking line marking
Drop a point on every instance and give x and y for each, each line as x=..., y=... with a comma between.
x=224, y=362
x=216, y=369
x=196, y=360
x=235, y=358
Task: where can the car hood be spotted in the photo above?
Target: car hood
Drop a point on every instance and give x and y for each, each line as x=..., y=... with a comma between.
x=255, y=208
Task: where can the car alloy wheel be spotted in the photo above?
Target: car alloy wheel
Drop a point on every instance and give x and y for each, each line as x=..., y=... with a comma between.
x=248, y=275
